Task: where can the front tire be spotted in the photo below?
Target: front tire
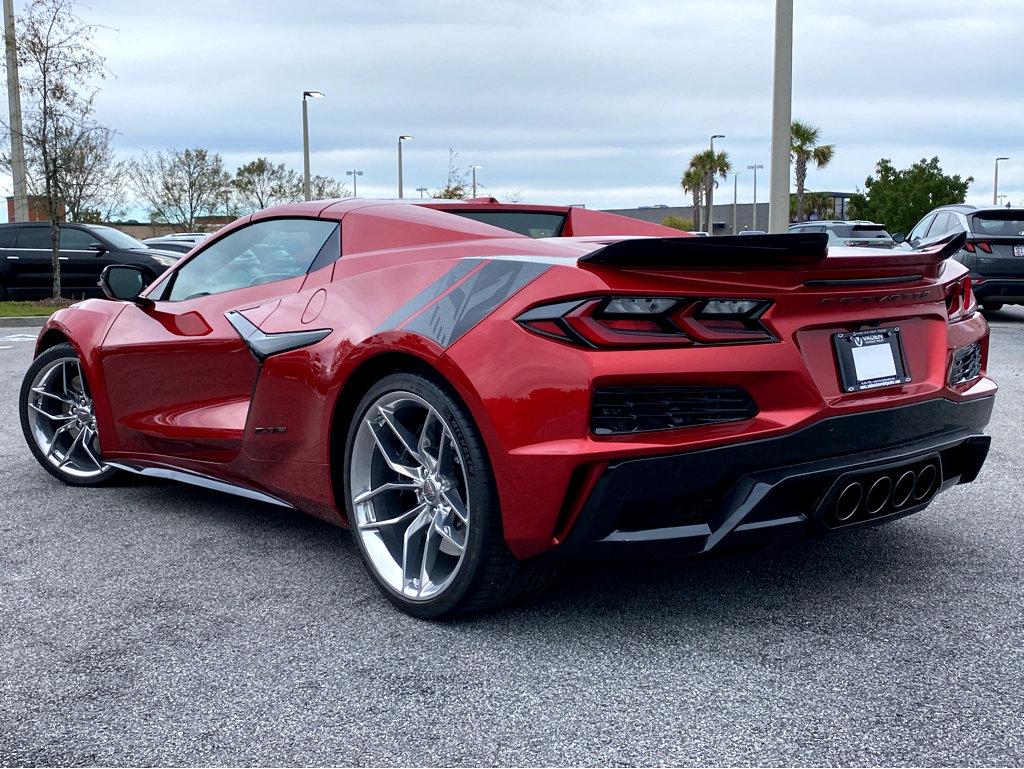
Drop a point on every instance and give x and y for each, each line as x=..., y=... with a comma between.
x=57, y=419
x=423, y=505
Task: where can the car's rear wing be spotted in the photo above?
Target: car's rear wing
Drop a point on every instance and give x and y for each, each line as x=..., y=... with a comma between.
x=771, y=252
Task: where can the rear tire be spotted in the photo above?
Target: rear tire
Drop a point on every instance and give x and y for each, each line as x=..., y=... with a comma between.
x=432, y=540
x=58, y=421
x=991, y=306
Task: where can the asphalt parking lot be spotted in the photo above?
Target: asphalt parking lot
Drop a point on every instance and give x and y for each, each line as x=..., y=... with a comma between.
x=163, y=624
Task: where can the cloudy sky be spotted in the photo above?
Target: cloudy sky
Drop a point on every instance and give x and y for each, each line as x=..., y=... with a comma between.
x=599, y=102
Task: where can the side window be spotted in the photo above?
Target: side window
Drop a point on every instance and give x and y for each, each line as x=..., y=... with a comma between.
x=264, y=252
x=76, y=240
x=34, y=237
x=922, y=227
x=939, y=226
x=954, y=224
x=7, y=235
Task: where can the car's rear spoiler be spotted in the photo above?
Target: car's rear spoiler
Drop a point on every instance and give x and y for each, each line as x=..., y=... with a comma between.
x=740, y=252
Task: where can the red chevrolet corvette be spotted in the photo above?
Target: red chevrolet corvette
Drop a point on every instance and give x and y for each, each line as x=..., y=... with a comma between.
x=475, y=387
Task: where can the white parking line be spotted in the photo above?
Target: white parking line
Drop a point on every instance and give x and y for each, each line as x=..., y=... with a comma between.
x=18, y=338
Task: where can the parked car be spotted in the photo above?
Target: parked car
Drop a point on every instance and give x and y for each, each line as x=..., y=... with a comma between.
x=26, y=258
x=993, y=252
x=842, y=232
x=181, y=244
x=475, y=403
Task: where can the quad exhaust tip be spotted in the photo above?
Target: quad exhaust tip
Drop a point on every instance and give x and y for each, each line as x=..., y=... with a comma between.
x=876, y=494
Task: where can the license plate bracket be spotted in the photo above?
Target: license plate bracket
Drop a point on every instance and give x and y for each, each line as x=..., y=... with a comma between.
x=870, y=359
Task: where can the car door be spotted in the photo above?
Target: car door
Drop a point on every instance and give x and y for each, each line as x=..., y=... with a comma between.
x=31, y=269
x=178, y=375
x=8, y=257
x=81, y=264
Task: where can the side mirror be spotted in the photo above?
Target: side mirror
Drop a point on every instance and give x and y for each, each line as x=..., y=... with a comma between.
x=899, y=237
x=98, y=247
x=124, y=283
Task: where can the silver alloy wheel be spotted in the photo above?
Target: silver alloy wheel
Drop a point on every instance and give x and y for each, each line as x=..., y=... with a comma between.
x=410, y=495
x=62, y=421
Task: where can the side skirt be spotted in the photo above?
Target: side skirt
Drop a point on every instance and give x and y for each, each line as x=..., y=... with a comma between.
x=205, y=482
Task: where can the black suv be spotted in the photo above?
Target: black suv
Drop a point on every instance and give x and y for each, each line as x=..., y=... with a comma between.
x=994, y=252
x=26, y=270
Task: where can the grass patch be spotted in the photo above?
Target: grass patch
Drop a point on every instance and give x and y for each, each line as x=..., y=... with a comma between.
x=24, y=309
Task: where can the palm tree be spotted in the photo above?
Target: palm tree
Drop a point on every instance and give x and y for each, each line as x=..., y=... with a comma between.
x=710, y=165
x=805, y=148
x=693, y=182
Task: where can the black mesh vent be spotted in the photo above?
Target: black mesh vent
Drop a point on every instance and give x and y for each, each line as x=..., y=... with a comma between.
x=639, y=409
x=966, y=364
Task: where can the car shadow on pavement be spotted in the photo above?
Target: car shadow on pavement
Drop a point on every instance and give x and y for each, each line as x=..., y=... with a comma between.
x=814, y=575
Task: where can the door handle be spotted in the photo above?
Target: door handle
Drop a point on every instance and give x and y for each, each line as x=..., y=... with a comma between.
x=62, y=258
x=13, y=257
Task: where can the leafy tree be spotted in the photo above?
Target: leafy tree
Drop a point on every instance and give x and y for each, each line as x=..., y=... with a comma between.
x=180, y=185
x=456, y=187
x=326, y=188
x=814, y=203
x=899, y=198
x=693, y=182
x=261, y=184
x=805, y=149
x=711, y=166
x=678, y=223
x=60, y=68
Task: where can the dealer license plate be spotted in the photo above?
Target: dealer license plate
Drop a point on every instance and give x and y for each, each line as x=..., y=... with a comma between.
x=870, y=359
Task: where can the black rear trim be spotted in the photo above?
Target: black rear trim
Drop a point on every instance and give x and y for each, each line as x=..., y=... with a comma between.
x=720, y=252
x=865, y=281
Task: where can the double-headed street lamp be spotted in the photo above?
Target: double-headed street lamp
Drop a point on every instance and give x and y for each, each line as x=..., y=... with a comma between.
x=305, y=140
x=401, y=139
x=355, y=187
x=755, y=168
x=473, y=169
x=422, y=191
x=711, y=187
x=995, y=183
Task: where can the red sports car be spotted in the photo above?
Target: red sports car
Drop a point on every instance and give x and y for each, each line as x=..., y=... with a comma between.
x=475, y=388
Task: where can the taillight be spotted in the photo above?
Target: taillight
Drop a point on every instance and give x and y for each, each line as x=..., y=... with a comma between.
x=960, y=301
x=987, y=248
x=970, y=246
x=650, y=321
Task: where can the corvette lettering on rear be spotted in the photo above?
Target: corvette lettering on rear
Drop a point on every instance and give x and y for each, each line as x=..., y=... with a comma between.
x=910, y=297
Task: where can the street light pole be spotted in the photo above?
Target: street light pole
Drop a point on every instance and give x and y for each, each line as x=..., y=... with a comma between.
x=400, y=140
x=14, y=105
x=711, y=188
x=355, y=184
x=995, y=183
x=305, y=140
x=782, y=118
x=422, y=191
x=473, y=169
x=754, y=169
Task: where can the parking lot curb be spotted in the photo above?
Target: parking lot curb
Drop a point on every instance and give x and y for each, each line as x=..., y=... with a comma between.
x=23, y=322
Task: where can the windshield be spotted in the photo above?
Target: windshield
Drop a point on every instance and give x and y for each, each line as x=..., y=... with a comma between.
x=995, y=224
x=535, y=224
x=117, y=238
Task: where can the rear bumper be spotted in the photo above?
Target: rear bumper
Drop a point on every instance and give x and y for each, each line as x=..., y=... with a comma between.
x=695, y=502
x=1008, y=290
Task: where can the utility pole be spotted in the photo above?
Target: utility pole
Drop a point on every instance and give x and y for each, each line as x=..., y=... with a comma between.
x=735, y=201
x=305, y=140
x=473, y=169
x=401, y=139
x=995, y=178
x=14, y=105
x=711, y=188
x=782, y=118
x=754, y=168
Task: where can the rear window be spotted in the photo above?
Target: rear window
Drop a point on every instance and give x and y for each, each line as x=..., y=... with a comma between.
x=998, y=223
x=534, y=224
x=861, y=231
